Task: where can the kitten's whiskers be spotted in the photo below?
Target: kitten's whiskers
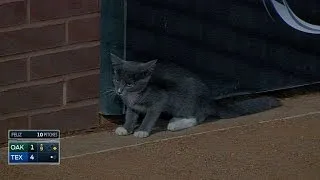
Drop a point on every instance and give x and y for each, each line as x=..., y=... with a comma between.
x=111, y=93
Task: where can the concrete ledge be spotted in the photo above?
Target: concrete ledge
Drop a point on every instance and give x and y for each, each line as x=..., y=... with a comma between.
x=298, y=118
x=292, y=107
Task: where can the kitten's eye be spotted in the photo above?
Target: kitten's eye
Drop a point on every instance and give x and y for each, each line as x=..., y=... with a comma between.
x=116, y=80
x=130, y=85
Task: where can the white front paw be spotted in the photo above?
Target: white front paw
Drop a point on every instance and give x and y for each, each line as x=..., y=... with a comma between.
x=121, y=131
x=172, y=126
x=141, y=134
x=177, y=124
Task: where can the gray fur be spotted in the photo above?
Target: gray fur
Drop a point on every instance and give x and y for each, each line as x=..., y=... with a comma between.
x=152, y=88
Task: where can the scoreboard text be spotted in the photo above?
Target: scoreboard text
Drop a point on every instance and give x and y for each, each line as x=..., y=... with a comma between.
x=33, y=147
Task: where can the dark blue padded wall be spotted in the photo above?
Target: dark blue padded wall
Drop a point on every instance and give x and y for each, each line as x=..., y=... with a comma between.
x=232, y=44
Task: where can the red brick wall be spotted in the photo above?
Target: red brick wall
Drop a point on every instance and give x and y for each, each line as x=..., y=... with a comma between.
x=49, y=64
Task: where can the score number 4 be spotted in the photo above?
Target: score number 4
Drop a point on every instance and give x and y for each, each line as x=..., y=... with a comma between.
x=32, y=157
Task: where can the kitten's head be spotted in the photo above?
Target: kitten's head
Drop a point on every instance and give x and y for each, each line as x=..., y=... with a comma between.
x=131, y=77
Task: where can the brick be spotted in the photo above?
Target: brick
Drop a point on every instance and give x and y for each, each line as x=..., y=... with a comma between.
x=14, y=13
x=83, y=88
x=12, y=123
x=30, y=39
x=53, y=9
x=13, y=72
x=67, y=119
x=29, y=98
x=65, y=62
x=82, y=30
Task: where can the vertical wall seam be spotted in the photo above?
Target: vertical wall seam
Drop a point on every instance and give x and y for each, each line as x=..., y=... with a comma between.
x=125, y=29
x=28, y=15
x=67, y=31
x=28, y=69
x=29, y=122
x=64, y=93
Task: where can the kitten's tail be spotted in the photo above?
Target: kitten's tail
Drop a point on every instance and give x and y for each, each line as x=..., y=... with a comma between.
x=249, y=106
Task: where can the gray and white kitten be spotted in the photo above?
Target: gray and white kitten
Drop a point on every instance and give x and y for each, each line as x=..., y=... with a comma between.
x=153, y=88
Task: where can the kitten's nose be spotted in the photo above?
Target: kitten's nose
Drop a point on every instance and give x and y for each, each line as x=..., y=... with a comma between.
x=119, y=91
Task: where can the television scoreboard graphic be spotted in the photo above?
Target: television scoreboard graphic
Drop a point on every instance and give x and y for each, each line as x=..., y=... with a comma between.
x=26, y=147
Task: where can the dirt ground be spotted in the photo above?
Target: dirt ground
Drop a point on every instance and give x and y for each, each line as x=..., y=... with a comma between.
x=279, y=144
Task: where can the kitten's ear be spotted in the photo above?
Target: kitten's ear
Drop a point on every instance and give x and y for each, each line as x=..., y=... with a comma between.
x=150, y=65
x=115, y=59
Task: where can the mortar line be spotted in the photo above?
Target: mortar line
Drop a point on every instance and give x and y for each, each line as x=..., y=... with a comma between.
x=28, y=69
x=188, y=135
x=29, y=122
x=28, y=16
x=64, y=93
x=50, y=51
x=50, y=80
x=72, y=105
x=9, y=1
x=67, y=31
x=49, y=22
